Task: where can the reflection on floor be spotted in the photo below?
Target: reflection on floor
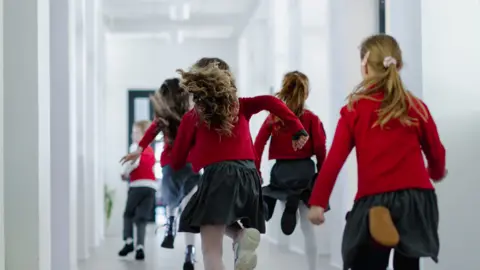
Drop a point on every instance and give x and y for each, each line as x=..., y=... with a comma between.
x=270, y=257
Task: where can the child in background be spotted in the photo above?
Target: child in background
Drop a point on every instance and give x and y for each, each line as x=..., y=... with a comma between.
x=217, y=137
x=141, y=195
x=170, y=103
x=294, y=171
x=396, y=205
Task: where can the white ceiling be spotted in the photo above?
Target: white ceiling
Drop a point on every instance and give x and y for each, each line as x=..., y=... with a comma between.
x=207, y=18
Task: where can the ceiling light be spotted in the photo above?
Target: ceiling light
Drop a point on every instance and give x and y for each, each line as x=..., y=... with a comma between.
x=180, y=37
x=172, y=12
x=186, y=11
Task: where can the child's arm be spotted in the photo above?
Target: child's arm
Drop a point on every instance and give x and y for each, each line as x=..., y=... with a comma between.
x=319, y=140
x=342, y=145
x=184, y=140
x=150, y=134
x=433, y=148
x=254, y=105
x=261, y=140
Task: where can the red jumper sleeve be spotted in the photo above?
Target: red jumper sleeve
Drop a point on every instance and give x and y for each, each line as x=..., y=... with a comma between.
x=184, y=141
x=254, y=105
x=150, y=135
x=261, y=140
x=433, y=148
x=342, y=145
x=319, y=140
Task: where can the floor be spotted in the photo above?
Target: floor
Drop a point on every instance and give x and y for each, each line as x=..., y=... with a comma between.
x=270, y=257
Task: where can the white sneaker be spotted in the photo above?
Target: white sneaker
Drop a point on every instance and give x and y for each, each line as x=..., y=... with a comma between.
x=245, y=255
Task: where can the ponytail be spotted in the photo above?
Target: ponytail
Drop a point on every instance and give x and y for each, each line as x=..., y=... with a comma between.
x=397, y=101
x=294, y=92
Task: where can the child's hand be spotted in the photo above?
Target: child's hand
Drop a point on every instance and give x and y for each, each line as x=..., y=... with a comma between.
x=124, y=177
x=441, y=179
x=316, y=215
x=132, y=157
x=298, y=144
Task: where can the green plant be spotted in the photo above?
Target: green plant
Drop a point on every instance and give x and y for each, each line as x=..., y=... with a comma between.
x=109, y=195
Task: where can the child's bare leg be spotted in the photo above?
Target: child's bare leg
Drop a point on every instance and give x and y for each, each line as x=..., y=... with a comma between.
x=212, y=246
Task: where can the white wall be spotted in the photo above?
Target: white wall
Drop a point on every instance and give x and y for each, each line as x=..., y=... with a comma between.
x=2, y=224
x=143, y=63
x=451, y=84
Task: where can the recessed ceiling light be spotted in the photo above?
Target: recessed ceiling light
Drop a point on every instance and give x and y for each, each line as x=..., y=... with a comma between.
x=180, y=37
x=173, y=12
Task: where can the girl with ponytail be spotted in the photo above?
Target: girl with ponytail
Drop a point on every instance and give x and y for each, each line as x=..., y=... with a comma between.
x=396, y=205
x=292, y=175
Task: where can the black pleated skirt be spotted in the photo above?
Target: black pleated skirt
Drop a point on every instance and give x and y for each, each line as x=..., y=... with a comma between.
x=292, y=177
x=415, y=215
x=228, y=192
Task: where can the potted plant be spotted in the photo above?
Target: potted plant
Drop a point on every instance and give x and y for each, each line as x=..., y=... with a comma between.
x=109, y=195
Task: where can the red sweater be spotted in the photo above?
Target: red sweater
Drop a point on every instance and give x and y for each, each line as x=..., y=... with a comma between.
x=280, y=144
x=389, y=159
x=206, y=146
x=144, y=170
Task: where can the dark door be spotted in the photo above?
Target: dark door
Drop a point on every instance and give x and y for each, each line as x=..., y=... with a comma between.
x=381, y=17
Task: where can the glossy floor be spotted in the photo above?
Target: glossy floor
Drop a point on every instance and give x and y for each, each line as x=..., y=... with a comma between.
x=270, y=257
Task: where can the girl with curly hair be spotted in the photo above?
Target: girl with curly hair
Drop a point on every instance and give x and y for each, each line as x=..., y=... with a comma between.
x=216, y=135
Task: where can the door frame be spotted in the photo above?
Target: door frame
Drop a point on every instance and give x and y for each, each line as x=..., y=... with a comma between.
x=132, y=95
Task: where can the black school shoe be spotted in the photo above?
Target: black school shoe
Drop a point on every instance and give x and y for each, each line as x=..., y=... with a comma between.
x=269, y=207
x=170, y=233
x=289, y=216
x=127, y=249
x=189, y=263
x=140, y=255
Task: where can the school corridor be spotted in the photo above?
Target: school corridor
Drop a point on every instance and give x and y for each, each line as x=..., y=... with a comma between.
x=76, y=74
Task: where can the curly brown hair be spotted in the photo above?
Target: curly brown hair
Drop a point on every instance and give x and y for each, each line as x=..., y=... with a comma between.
x=170, y=103
x=206, y=61
x=214, y=92
x=397, y=100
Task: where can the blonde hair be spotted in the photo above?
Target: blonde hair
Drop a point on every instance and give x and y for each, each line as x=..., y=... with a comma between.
x=214, y=93
x=382, y=54
x=142, y=125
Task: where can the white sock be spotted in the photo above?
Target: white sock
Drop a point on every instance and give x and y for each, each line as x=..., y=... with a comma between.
x=129, y=241
x=189, y=239
x=139, y=247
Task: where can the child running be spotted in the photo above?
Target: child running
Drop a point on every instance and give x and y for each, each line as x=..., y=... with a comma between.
x=170, y=103
x=292, y=176
x=141, y=194
x=216, y=134
x=396, y=205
